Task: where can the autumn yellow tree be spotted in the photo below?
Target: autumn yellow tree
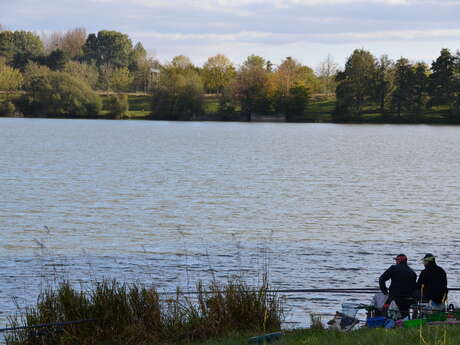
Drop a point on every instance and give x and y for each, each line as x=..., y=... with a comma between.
x=11, y=78
x=120, y=79
x=218, y=73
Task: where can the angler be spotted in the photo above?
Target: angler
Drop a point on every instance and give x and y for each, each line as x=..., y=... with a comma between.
x=432, y=283
x=403, y=284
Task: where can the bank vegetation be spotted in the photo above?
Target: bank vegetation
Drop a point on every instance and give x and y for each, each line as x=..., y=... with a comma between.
x=106, y=75
x=135, y=314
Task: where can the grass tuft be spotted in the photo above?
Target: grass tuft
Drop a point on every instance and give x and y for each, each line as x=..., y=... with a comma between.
x=135, y=314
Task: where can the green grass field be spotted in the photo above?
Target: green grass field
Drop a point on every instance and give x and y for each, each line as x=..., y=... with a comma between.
x=440, y=335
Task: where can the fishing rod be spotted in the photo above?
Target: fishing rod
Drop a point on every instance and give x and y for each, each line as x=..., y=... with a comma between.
x=46, y=325
x=282, y=291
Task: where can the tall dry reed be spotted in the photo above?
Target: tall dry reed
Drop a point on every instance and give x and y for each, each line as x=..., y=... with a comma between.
x=135, y=314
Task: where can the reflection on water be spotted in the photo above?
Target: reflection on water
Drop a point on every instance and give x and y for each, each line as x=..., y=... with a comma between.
x=318, y=205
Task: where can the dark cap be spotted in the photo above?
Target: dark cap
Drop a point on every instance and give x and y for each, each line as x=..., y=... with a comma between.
x=429, y=257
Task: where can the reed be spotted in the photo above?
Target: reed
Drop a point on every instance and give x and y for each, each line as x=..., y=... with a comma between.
x=134, y=314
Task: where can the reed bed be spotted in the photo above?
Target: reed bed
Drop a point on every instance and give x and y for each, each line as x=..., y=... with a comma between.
x=134, y=314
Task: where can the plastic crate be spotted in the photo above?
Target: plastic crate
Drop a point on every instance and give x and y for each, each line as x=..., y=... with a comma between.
x=414, y=323
x=374, y=322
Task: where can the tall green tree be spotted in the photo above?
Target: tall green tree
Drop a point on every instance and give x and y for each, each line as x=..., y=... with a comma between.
x=108, y=47
x=354, y=87
x=138, y=54
x=420, y=87
x=457, y=84
x=57, y=59
x=442, y=81
x=383, y=82
x=403, y=92
x=251, y=87
x=178, y=94
x=18, y=47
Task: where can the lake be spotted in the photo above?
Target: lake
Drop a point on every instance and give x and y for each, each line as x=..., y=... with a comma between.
x=171, y=203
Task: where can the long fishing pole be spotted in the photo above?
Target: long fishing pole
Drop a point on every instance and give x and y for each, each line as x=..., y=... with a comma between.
x=46, y=325
x=282, y=291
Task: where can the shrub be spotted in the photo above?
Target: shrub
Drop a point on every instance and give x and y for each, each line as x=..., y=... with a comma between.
x=118, y=105
x=60, y=94
x=7, y=109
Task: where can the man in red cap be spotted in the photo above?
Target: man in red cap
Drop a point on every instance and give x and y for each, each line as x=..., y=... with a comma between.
x=403, y=284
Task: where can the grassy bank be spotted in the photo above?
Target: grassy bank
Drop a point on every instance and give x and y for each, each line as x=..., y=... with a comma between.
x=320, y=109
x=427, y=336
x=133, y=314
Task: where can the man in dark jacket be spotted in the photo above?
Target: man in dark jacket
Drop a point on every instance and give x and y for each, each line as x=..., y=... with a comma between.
x=432, y=282
x=403, y=284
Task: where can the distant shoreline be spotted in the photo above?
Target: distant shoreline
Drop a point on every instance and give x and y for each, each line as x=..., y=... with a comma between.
x=319, y=110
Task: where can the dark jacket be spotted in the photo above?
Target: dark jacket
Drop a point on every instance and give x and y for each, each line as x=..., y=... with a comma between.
x=434, y=281
x=403, y=281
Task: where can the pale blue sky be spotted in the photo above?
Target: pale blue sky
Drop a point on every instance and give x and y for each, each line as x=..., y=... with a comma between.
x=308, y=30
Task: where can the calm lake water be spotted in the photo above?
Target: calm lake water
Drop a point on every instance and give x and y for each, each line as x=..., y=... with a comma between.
x=170, y=203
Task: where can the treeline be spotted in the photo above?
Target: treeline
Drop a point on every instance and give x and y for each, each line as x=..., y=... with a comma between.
x=397, y=89
x=61, y=71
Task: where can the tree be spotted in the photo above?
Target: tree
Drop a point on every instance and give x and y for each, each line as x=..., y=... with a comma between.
x=326, y=72
x=142, y=68
x=297, y=101
x=118, y=105
x=354, y=83
x=251, y=87
x=120, y=79
x=70, y=42
x=218, y=73
x=442, y=80
x=108, y=47
x=10, y=78
x=420, y=87
x=143, y=74
x=138, y=54
x=60, y=94
x=57, y=59
x=383, y=82
x=179, y=92
x=33, y=71
x=292, y=90
x=20, y=46
x=83, y=71
x=457, y=84
x=105, y=72
x=404, y=78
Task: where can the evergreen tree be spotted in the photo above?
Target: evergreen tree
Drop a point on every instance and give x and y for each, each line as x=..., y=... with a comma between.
x=442, y=81
x=402, y=94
